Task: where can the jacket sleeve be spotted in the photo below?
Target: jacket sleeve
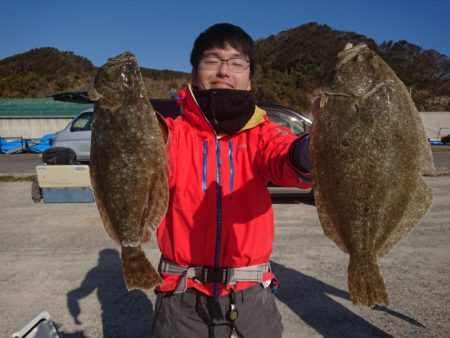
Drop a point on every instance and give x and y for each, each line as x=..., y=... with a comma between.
x=274, y=157
x=299, y=154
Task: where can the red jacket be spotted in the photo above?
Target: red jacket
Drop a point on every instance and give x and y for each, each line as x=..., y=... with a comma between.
x=220, y=211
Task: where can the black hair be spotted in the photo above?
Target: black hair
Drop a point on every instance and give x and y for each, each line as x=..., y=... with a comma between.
x=218, y=36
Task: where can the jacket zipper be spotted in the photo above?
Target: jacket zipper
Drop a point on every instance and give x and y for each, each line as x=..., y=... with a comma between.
x=205, y=164
x=230, y=157
x=218, y=217
x=218, y=197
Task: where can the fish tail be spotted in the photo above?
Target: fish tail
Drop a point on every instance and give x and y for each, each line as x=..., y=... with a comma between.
x=365, y=283
x=137, y=270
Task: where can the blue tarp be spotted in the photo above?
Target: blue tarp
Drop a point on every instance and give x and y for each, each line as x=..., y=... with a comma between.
x=44, y=143
x=25, y=145
x=15, y=146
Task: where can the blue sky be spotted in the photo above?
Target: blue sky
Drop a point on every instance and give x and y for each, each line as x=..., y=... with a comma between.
x=161, y=33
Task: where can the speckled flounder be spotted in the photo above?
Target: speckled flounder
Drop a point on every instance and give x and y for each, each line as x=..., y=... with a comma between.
x=127, y=164
x=369, y=152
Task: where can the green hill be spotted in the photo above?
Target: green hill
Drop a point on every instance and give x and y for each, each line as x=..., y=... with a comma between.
x=45, y=71
x=294, y=66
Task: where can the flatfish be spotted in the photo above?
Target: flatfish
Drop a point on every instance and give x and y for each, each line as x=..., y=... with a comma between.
x=128, y=165
x=369, y=153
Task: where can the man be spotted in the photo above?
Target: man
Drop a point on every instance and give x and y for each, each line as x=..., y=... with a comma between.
x=216, y=238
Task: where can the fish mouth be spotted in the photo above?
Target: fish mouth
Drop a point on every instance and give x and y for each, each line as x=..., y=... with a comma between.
x=347, y=54
x=125, y=56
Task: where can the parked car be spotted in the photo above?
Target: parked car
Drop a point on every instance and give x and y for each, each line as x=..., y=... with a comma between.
x=77, y=134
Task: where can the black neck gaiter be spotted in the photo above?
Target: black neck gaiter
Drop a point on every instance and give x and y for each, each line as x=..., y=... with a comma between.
x=228, y=110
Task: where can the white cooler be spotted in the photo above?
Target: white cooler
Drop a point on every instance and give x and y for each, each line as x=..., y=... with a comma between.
x=65, y=183
x=40, y=327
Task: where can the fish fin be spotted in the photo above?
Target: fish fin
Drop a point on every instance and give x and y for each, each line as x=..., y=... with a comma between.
x=329, y=228
x=93, y=94
x=417, y=208
x=424, y=153
x=365, y=284
x=428, y=168
x=137, y=270
x=96, y=182
x=158, y=200
x=426, y=157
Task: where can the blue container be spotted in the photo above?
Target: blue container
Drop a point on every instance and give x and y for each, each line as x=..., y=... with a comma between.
x=67, y=195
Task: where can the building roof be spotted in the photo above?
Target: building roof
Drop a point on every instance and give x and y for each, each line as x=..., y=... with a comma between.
x=39, y=107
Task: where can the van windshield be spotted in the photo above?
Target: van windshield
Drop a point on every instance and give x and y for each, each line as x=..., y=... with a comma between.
x=82, y=123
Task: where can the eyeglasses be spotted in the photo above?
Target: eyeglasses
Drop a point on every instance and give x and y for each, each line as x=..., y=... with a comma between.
x=236, y=65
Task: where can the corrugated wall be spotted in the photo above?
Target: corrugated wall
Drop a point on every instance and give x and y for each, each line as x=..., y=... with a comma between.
x=39, y=107
x=35, y=117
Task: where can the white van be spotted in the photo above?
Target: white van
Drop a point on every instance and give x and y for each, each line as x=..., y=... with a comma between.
x=77, y=135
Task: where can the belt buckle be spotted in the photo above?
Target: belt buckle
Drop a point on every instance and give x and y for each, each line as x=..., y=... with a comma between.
x=216, y=275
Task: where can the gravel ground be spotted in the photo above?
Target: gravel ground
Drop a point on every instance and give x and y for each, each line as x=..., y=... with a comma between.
x=56, y=257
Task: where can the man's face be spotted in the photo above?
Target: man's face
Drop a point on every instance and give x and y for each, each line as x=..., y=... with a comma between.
x=222, y=77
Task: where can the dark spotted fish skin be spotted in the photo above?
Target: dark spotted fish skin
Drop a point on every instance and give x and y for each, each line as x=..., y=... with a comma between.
x=369, y=152
x=127, y=164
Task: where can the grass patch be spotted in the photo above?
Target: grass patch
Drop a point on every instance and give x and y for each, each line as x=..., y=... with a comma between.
x=7, y=178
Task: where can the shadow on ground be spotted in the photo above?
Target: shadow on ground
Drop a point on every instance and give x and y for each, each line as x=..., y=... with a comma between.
x=129, y=314
x=124, y=313
x=310, y=299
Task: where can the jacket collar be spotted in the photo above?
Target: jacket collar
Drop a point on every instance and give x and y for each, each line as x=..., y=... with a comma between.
x=192, y=112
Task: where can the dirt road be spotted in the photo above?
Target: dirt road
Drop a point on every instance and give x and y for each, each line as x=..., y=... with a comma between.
x=57, y=258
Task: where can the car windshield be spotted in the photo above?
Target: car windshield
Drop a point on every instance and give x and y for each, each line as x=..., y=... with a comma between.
x=290, y=121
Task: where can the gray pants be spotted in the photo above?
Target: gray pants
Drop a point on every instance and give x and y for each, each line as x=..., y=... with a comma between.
x=193, y=315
